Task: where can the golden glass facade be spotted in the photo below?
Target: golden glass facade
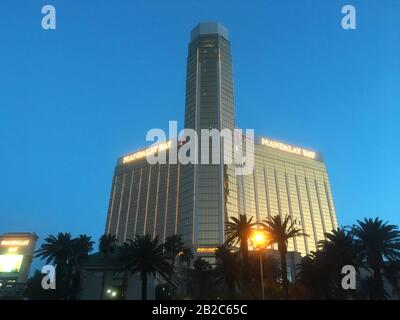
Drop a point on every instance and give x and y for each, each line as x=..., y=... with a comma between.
x=144, y=200
x=287, y=183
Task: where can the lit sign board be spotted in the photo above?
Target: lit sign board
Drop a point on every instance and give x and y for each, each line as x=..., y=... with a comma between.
x=288, y=148
x=10, y=263
x=14, y=243
x=206, y=250
x=143, y=153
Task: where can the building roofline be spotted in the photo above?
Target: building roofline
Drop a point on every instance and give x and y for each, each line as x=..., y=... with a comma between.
x=209, y=28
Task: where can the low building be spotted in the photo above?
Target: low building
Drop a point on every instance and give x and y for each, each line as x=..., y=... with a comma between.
x=103, y=278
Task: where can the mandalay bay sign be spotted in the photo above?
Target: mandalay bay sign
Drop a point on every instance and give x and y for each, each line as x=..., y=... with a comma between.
x=288, y=148
x=211, y=146
x=208, y=146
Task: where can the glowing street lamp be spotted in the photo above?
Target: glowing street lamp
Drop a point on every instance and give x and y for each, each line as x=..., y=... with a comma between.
x=112, y=293
x=259, y=240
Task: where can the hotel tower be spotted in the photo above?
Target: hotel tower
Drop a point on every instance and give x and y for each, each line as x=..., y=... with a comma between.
x=196, y=200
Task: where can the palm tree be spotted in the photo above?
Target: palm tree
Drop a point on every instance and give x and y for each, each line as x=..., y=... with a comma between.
x=228, y=269
x=313, y=275
x=124, y=251
x=201, y=265
x=60, y=251
x=173, y=245
x=378, y=241
x=57, y=250
x=107, y=246
x=201, y=280
x=145, y=256
x=186, y=256
x=82, y=246
x=320, y=272
x=271, y=272
x=340, y=249
x=339, y=243
x=280, y=232
x=238, y=230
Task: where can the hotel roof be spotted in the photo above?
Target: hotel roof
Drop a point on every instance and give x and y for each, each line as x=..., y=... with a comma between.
x=204, y=28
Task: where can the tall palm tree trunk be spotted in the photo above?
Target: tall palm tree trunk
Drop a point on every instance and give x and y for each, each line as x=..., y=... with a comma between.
x=67, y=287
x=285, y=284
x=232, y=290
x=245, y=250
x=103, y=277
x=103, y=282
x=379, y=291
x=67, y=275
x=124, y=285
x=144, y=286
x=244, y=246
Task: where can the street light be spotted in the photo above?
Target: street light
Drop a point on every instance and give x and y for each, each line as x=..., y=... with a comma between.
x=259, y=240
x=112, y=293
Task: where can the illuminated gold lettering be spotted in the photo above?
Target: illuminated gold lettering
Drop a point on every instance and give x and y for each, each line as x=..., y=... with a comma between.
x=206, y=250
x=288, y=148
x=14, y=243
x=143, y=153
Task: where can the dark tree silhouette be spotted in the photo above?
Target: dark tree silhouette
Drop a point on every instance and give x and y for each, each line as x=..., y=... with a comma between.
x=186, y=256
x=173, y=245
x=67, y=254
x=280, y=231
x=378, y=241
x=107, y=246
x=145, y=257
x=238, y=230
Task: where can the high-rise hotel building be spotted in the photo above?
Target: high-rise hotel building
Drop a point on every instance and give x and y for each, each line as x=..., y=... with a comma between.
x=196, y=200
x=205, y=200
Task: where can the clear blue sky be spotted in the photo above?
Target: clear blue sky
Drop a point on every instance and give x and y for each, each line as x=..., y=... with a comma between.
x=74, y=99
